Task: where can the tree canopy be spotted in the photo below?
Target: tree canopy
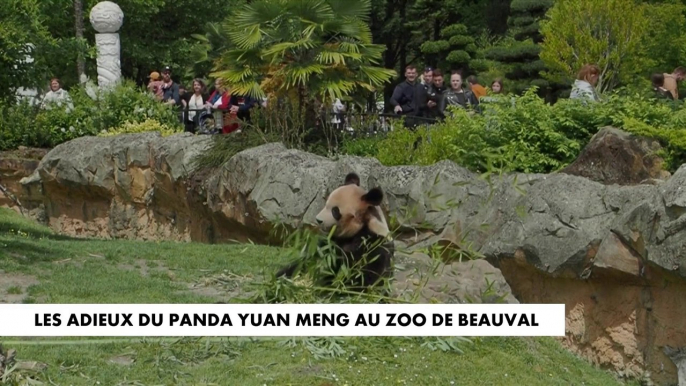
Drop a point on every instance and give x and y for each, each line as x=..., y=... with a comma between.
x=323, y=47
x=339, y=47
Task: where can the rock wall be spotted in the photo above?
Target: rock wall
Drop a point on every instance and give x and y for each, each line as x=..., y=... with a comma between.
x=130, y=186
x=614, y=254
x=14, y=166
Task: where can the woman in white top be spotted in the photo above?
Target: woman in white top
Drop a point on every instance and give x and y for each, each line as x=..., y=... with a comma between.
x=584, y=85
x=338, y=114
x=195, y=102
x=57, y=96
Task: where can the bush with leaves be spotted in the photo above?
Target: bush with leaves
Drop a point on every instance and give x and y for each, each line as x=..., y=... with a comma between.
x=140, y=127
x=525, y=134
x=128, y=103
x=520, y=137
x=612, y=34
x=25, y=125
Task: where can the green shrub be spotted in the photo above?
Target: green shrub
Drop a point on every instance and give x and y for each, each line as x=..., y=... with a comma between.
x=26, y=125
x=140, y=127
x=522, y=138
x=362, y=147
x=128, y=103
x=525, y=134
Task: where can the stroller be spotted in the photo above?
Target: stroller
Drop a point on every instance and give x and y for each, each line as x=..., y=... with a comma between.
x=208, y=122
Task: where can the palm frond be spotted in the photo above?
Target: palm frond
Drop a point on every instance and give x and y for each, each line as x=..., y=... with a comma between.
x=280, y=49
x=324, y=46
x=329, y=57
x=297, y=74
x=349, y=45
x=248, y=87
x=352, y=9
x=373, y=53
x=356, y=29
x=333, y=89
x=377, y=75
x=259, y=12
x=312, y=11
x=246, y=38
x=230, y=58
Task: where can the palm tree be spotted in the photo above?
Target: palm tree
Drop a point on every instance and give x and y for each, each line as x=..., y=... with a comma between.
x=312, y=50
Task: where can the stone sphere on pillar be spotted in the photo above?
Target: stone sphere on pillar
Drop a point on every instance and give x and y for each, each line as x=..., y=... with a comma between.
x=106, y=17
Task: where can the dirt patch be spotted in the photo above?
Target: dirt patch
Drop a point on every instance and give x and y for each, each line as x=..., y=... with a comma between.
x=14, y=286
x=310, y=370
x=122, y=360
x=221, y=287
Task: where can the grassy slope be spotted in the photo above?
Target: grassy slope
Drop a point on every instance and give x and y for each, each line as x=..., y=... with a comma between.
x=65, y=270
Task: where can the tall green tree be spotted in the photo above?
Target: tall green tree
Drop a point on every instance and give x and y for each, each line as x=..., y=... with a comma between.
x=665, y=38
x=73, y=50
x=612, y=34
x=316, y=50
x=79, y=28
x=388, y=24
x=454, y=50
x=519, y=55
x=443, y=31
x=155, y=33
x=22, y=35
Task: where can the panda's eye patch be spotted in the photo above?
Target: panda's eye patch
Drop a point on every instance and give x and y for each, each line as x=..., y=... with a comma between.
x=336, y=213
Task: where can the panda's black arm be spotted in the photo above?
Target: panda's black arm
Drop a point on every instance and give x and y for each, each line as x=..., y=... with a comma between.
x=290, y=269
x=295, y=265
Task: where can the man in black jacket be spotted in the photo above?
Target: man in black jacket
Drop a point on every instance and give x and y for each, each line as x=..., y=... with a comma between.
x=423, y=96
x=434, y=97
x=404, y=96
x=170, y=88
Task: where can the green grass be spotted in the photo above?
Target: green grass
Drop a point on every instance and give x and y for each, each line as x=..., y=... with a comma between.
x=44, y=267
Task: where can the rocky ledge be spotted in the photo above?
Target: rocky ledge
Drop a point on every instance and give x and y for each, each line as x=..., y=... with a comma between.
x=612, y=252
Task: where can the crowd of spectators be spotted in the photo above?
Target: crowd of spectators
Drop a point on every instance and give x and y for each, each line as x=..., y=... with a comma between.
x=199, y=110
x=425, y=98
x=419, y=98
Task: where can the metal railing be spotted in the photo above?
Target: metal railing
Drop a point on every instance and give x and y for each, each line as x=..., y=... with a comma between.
x=211, y=120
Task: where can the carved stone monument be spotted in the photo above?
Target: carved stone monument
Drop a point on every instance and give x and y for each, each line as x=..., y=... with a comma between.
x=106, y=17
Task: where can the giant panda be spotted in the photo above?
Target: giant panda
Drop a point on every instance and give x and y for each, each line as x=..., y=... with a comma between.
x=359, y=233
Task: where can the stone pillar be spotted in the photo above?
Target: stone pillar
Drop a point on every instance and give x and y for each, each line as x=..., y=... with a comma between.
x=106, y=18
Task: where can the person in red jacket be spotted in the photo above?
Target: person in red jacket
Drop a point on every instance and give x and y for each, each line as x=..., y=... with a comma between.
x=220, y=99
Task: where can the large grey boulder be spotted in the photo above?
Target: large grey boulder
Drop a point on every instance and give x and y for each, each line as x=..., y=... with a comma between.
x=128, y=186
x=613, y=156
x=614, y=254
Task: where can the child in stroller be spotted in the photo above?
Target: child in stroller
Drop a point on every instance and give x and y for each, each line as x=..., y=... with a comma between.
x=207, y=123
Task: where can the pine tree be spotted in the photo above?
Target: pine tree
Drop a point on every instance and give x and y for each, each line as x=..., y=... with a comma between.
x=519, y=55
x=453, y=51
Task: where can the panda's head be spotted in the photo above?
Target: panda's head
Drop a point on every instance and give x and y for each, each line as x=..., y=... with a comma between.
x=350, y=208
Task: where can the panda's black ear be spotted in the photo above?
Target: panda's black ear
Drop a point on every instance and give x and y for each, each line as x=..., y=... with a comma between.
x=373, y=197
x=352, y=178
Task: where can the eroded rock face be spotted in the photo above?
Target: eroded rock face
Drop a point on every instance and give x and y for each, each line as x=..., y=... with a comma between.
x=616, y=157
x=424, y=280
x=613, y=254
x=129, y=186
x=14, y=166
